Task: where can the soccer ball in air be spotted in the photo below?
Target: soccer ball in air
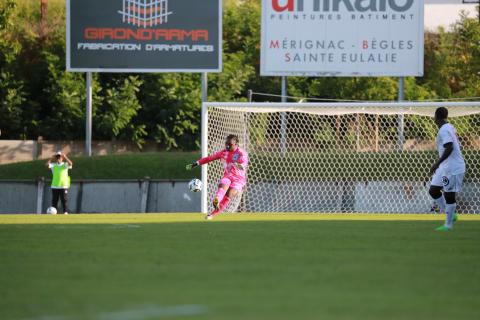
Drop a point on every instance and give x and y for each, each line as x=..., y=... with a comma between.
x=52, y=210
x=195, y=185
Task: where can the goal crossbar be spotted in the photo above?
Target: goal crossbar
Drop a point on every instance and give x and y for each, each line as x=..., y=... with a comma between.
x=336, y=108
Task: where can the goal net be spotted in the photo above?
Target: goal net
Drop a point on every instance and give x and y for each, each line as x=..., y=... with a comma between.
x=339, y=157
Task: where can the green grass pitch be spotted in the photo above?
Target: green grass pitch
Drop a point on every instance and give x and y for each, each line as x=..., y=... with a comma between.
x=240, y=266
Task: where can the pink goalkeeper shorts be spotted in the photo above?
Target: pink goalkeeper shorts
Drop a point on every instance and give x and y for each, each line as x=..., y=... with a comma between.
x=233, y=183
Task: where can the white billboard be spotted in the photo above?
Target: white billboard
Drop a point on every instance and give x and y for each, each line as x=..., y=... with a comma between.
x=342, y=38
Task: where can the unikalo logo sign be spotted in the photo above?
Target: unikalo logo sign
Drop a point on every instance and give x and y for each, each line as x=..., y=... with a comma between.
x=342, y=37
x=144, y=35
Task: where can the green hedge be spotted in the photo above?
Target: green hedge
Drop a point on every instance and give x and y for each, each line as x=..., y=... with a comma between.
x=359, y=166
x=163, y=165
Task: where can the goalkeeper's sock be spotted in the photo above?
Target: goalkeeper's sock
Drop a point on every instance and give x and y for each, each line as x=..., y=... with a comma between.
x=224, y=203
x=450, y=212
x=220, y=194
x=215, y=212
x=441, y=203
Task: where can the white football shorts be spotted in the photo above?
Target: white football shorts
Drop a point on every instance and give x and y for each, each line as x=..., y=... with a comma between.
x=449, y=183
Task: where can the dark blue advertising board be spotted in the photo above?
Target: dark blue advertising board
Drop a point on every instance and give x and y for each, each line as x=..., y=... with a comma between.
x=144, y=35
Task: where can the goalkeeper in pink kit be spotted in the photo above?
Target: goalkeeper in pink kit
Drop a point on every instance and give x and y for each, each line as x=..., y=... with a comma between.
x=235, y=162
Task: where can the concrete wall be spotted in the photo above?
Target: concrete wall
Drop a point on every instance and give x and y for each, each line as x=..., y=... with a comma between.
x=17, y=150
x=173, y=196
x=375, y=196
x=28, y=150
x=16, y=197
x=102, y=196
x=295, y=196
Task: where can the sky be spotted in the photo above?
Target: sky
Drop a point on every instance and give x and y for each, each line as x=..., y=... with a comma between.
x=445, y=12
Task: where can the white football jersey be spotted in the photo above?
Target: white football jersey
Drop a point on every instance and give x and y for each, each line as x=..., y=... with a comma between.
x=454, y=164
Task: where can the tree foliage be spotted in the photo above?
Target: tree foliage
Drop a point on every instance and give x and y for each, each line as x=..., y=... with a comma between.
x=11, y=87
x=118, y=105
x=453, y=60
x=66, y=96
x=39, y=98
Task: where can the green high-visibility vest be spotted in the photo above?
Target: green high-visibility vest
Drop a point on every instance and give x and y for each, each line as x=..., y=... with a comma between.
x=60, y=175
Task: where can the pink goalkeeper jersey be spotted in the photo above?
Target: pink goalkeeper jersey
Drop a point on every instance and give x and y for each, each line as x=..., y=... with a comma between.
x=229, y=160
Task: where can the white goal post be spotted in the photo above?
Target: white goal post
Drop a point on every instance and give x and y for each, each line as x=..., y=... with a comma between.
x=366, y=157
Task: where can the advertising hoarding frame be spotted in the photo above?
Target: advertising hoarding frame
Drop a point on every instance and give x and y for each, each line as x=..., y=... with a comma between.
x=69, y=68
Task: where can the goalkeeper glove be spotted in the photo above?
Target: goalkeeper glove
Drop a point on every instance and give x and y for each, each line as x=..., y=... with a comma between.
x=191, y=165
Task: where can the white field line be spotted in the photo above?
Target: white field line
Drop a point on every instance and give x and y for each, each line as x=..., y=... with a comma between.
x=125, y=226
x=49, y=318
x=138, y=313
x=152, y=311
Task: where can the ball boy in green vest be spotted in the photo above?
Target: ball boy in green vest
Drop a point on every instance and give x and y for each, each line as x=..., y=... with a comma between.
x=60, y=179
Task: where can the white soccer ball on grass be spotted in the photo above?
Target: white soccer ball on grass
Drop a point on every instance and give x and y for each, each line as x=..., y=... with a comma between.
x=195, y=185
x=52, y=210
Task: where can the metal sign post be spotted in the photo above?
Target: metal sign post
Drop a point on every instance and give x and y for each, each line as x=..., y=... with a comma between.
x=283, y=125
x=400, y=121
x=88, y=126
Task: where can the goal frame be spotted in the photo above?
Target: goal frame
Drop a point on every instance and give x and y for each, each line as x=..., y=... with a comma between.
x=294, y=106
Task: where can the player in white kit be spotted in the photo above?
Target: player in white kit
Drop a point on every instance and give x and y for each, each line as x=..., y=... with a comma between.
x=448, y=171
